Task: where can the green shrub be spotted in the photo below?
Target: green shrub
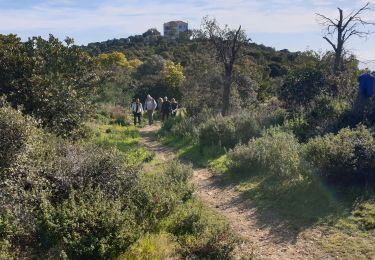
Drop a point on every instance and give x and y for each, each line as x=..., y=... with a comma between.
x=27, y=163
x=365, y=215
x=276, y=152
x=15, y=134
x=348, y=155
x=86, y=226
x=186, y=126
x=83, y=166
x=298, y=126
x=51, y=80
x=224, y=131
x=159, y=194
x=239, y=128
x=42, y=163
x=218, y=131
x=302, y=85
x=201, y=232
x=325, y=115
x=246, y=127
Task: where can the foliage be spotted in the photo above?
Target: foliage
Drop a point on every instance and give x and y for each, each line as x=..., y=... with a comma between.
x=365, y=215
x=276, y=153
x=42, y=163
x=7, y=232
x=119, y=85
x=186, y=127
x=14, y=133
x=159, y=77
x=228, y=44
x=159, y=194
x=172, y=75
x=49, y=79
x=153, y=246
x=124, y=139
x=238, y=128
x=201, y=232
x=118, y=59
x=86, y=226
x=218, y=131
x=302, y=85
x=324, y=115
x=347, y=156
x=203, y=84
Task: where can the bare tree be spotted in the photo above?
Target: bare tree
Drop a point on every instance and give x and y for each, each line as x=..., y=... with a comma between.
x=343, y=28
x=227, y=44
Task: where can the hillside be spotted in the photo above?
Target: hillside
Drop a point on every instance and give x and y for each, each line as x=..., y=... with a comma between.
x=180, y=50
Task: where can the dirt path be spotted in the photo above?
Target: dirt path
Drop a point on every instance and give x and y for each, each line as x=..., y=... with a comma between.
x=264, y=236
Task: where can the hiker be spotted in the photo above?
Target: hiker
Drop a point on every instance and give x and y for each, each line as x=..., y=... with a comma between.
x=160, y=104
x=137, y=110
x=165, y=109
x=174, y=107
x=150, y=106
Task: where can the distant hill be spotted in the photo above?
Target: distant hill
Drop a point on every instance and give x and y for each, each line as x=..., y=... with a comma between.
x=181, y=51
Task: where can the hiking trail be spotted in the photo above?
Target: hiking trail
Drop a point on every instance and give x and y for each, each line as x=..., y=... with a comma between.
x=264, y=236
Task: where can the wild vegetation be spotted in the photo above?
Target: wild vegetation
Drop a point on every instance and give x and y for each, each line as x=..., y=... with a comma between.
x=72, y=178
x=287, y=129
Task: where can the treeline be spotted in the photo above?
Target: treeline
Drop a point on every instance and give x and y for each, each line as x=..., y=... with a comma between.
x=257, y=76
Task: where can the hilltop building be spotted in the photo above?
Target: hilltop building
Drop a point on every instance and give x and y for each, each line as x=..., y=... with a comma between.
x=173, y=29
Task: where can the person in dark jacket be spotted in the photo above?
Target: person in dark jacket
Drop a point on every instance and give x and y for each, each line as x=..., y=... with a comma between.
x=174, y=107
x=165, y=109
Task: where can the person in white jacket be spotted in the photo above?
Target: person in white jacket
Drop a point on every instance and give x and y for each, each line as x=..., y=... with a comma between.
x=137, y=110
x=150, y=107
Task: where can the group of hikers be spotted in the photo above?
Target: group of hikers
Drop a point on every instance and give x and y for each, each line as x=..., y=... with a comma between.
x=163, y=107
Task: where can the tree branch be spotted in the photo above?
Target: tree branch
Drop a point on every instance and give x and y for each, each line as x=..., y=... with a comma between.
x=330, y=42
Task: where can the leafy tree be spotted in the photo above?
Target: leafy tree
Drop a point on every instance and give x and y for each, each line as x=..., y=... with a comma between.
x=120, y=84
x=118, y=59
x=173, y=75
x=52, y=80
x=203, y=84
x=151, y=32
x=301, y=86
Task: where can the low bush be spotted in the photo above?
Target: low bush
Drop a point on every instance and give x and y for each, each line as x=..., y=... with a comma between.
x=239, y=128
x=218, y=131
x=302, y=85
x=15, y=134
x=201, y=232
x=228, y=131
x=346, y=156
x=365, y=215
x=159, y=194
x=42, y=164
x=276, y=152
x=325, y=115
x=186, y=127
x=86, y=226
x=88, y=166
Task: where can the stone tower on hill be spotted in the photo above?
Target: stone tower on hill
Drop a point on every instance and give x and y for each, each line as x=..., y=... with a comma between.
x=173, y=29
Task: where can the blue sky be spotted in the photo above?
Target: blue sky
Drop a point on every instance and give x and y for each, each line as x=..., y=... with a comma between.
x=283, y=24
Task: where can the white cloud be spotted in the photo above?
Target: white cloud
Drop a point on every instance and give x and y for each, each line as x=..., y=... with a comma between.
x=139, y=15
